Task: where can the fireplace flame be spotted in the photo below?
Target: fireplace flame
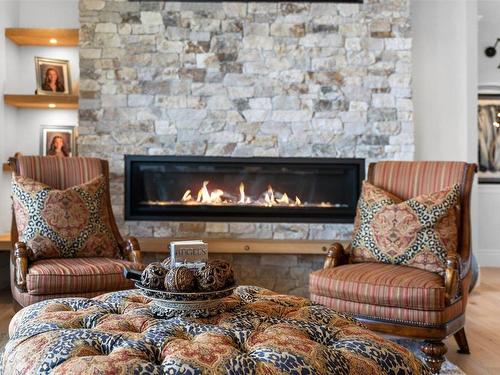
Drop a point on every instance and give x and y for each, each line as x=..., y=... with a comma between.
x=242, y=194
x=216, y=196
x=284, y=199
x=203, y=194
x=187, y=196
x=270, y=198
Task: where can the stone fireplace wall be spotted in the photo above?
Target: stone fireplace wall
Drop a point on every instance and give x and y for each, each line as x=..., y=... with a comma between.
x=243, y=79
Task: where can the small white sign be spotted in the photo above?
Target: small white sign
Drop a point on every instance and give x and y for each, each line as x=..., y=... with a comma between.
x=188, y=253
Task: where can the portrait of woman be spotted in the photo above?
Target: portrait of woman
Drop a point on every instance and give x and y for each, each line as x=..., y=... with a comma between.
x=52, y=82
x=58, y=141
x=52, y=76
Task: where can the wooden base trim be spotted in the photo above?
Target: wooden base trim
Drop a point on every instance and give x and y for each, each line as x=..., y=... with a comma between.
x=412, y=331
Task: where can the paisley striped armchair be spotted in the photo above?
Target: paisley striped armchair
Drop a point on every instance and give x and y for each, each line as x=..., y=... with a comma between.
x=401, y=300
x=37, y=280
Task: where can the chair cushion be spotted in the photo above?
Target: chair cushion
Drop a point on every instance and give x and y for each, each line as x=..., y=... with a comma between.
x=419, y=232
x=423, y=318
x=78, y=275
x=63, y=223
x=380, y=284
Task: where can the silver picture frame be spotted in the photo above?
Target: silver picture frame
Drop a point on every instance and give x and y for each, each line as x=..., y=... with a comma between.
x=48, y=133
x=45, y=70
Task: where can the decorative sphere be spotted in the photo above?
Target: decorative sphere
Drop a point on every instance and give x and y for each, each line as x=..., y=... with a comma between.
x=180, y=279
x=153, y=276
x=215, y=275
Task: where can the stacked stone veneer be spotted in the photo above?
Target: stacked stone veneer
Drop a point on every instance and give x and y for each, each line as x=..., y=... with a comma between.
x=243, y=79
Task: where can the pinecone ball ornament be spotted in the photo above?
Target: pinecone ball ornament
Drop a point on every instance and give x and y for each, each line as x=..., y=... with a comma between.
x=153, y=276
x=180, y=279
x=215, y=275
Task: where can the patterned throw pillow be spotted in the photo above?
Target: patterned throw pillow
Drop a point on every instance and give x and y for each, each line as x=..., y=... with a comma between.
x=419, y=232
x=63, y=223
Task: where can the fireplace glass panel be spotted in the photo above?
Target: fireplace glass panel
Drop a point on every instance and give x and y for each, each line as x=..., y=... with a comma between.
x=242, y=189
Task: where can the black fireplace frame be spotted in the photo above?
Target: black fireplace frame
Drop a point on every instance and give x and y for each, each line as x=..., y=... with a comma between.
x=342, y=215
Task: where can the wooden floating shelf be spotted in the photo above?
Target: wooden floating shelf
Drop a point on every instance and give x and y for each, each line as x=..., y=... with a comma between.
x=43, y=37
x=42, y=101
x=6, y=167
x=5, y=242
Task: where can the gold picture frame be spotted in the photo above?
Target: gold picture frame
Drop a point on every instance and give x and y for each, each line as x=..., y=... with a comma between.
x=53, y=76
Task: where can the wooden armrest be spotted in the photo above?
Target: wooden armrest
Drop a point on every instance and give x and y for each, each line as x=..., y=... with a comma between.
x=452, y=278
x=336, y=256
x=20, y=266
x=133, y=250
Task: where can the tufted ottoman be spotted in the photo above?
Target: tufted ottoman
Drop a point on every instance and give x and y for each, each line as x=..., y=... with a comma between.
x=261, y=333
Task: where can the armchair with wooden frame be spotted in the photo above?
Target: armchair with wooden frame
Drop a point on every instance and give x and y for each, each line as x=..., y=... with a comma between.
x=399, y=300
x=68, y=277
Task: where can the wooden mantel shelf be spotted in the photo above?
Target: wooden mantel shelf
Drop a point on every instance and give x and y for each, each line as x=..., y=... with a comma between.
x=219, y=245
x=43, y=37
x=42, y=101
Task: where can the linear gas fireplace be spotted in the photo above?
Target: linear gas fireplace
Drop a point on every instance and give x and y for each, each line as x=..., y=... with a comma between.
x=242, y=189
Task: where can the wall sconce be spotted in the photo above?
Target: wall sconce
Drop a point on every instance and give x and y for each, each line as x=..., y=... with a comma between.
x=492, y=50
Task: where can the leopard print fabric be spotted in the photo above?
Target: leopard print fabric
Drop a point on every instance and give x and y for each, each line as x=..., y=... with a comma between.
x=261, y=332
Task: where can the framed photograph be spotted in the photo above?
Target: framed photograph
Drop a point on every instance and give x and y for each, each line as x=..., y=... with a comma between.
x=488, y=117
x=52, y=76
x=57, y=141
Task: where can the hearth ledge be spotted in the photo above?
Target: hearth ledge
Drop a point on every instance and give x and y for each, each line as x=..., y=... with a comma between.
x=244, y=246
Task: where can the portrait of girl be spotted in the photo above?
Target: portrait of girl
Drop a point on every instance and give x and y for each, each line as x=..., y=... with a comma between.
x=57, y=141
x=58, y=146
x=52, y=81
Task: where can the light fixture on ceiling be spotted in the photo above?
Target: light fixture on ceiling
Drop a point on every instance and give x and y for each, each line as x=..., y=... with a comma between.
x=492, y=50
x=53, y=41
x=52, y=105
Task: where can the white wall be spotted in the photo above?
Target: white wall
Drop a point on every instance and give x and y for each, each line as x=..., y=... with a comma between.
x=489, y=31
x=445, y=81
x=49, y=13
x=9, y=14
x=489, y=81
x=20, y=128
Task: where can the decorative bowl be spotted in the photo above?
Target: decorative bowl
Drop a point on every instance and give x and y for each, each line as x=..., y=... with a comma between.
x=195, y=304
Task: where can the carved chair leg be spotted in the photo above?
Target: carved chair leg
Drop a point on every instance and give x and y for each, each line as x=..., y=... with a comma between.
x=434, y=354
x=461, y=339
